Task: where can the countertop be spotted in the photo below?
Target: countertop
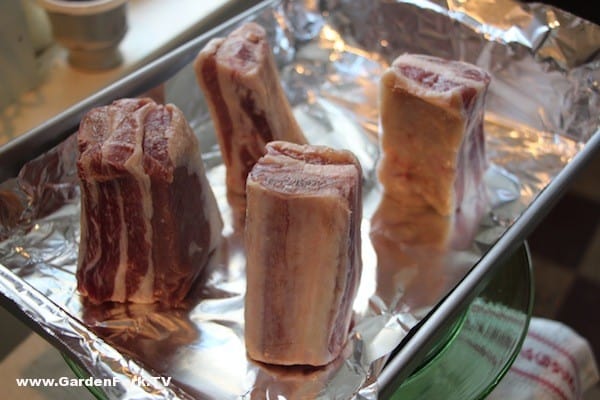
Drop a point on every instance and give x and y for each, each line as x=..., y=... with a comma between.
x=155, y=26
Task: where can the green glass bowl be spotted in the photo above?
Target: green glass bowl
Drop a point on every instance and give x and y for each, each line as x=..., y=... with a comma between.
x=79, y=372
x=480, y=349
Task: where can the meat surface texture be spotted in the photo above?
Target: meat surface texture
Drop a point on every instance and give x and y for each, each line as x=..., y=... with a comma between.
x=149, y=219
x=432, y=152
x=303, y=250
x=248, y=106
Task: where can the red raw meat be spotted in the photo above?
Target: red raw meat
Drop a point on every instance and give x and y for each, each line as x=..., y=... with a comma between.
x=239, y=79
x=149, y=219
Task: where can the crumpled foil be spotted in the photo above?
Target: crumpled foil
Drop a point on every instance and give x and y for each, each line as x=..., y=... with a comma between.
x=542, y=107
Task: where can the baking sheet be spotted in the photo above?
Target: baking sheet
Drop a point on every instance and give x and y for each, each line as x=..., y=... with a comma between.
x=541, y=110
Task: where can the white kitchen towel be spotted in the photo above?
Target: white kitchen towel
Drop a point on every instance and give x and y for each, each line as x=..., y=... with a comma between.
x=555, y=362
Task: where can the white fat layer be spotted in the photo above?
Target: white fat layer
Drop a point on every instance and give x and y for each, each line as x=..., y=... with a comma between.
x=135, y=167
x=89, y=228
x=84, y=229
x=119, y=290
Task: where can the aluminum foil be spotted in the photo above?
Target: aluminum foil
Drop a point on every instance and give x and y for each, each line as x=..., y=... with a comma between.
x=543, y=106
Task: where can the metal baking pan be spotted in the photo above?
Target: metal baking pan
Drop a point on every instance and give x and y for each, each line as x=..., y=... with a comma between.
x=541, y=132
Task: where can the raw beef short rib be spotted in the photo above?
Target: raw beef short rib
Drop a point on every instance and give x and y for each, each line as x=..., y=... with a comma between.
x=432, y=151
x=149, y=219
x=239, y=79
x=303, y=250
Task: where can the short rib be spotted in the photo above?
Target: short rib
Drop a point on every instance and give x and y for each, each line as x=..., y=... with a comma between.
x=433, y=155
x=240, y=81
x=303, y=250
x=149, y=219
